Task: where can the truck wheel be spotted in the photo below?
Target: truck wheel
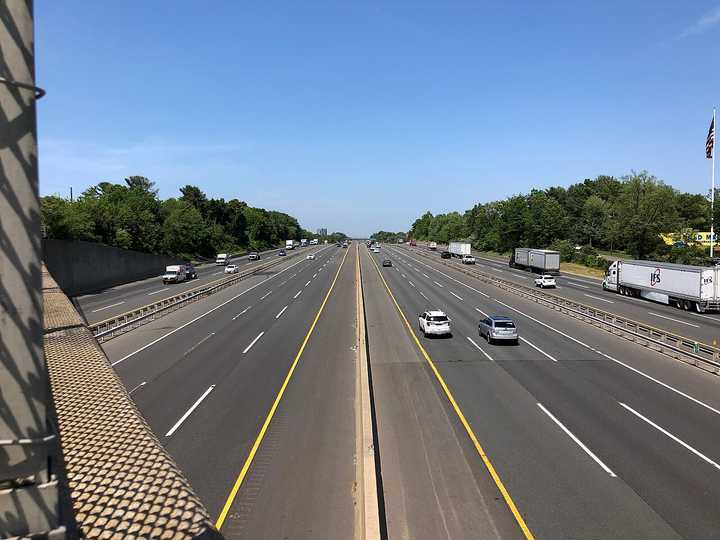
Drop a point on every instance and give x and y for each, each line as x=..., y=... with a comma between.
x=699, y=308
x=687, y=305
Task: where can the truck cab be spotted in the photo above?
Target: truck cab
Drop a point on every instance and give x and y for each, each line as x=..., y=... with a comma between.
x=610, y=281
x=222, y=259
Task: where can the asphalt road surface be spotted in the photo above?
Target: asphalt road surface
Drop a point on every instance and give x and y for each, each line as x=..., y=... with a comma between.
x=572, y=433
x=116, y=300
x=594, y=437
x=703, y=327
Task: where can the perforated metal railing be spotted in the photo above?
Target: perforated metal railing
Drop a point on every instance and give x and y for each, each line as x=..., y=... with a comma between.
x=122, y=482
x=681, y=347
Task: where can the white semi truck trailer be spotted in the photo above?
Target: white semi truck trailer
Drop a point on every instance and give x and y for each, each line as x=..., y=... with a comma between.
x=458, y=249
x=537, y=260
x=681, y=285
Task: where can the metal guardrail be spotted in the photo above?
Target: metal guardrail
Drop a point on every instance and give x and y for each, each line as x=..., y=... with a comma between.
x=119, y=324
x=680, y=347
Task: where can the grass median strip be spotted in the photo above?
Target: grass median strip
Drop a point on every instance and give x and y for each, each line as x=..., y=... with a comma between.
x=261, y=435
x=468, y=429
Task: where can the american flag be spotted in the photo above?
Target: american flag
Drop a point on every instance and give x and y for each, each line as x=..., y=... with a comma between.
x=710, y=140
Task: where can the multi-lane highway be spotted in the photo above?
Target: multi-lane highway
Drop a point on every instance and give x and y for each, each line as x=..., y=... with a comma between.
x=111, y=302
x=592, y=436
x=573, y=433
x=704, y=327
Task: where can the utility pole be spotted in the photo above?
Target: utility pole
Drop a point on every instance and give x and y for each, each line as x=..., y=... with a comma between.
x=29, y=447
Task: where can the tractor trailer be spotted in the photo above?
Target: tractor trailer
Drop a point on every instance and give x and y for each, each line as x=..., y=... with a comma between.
x=458, y=249
x=544, y=261
x=681, y=285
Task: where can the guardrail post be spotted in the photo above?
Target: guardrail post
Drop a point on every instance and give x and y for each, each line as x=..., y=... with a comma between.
x=30, y=494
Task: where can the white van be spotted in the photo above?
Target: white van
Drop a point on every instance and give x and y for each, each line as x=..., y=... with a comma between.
x=222, y=259
x=174, y=274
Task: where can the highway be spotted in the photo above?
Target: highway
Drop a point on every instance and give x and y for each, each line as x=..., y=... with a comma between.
x=703, y=327
x=116, y=300
x=574, y=433
x=593, y=436
x=206, y=389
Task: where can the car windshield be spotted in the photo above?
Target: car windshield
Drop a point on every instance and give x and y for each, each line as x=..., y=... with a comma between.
x=437, y=318
x=504, y=324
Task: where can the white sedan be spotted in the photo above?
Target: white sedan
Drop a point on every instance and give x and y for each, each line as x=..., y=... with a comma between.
x=310, y=257
x=434, y=323
x=544, y=281
x=232, y=269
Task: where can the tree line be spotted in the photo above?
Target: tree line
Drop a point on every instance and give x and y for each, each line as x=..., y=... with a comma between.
x=131, y=216
x=618, y=214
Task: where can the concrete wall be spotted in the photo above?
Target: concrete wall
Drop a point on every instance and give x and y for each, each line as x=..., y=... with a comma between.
x=86, y=267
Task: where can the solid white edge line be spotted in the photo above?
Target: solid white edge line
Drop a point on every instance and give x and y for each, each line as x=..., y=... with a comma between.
x=201, y=316
x=254, y=341
x=577, y=441
x=189, y=412
x=281, y=312
x=598, y=298
x=673, y=437
x=623, y=364
x=137, y=387
x=456, y=296
x=538, y=349
x=459, y=282
x=674, y=320
x=480, y=349
x=107, y=307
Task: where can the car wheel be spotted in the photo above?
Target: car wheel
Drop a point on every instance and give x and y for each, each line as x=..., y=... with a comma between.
x=489, y=340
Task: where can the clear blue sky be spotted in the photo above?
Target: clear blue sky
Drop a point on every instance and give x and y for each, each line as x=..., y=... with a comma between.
x=357, y=116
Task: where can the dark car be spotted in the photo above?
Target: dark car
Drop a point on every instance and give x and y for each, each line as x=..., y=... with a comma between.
x=190, y=272
x=281, y=253
x=445, y=255
x=387, y=262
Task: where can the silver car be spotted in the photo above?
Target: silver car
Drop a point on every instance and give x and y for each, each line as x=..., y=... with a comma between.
x=498, y=328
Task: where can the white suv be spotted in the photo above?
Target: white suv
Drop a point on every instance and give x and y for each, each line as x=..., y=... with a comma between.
x=546, y=280
x=434, y=323
x=468, y=259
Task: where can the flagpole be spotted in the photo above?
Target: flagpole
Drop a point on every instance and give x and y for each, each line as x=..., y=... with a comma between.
x=712, y=192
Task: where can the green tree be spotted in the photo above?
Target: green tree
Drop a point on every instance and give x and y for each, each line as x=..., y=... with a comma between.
x=594, y=219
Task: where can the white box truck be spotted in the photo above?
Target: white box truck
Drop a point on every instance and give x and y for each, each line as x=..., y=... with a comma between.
x=544, y=261
x=289, y=245
x=458, y=249
x=222, y=259
x=684, y=286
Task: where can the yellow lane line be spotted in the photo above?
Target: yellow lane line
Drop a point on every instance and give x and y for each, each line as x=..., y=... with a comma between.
x=271, y=413
x=461, y=416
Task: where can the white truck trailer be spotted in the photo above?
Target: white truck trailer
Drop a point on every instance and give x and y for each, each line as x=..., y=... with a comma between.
x=544, y=261
x=684, y=286
x=458, y=249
